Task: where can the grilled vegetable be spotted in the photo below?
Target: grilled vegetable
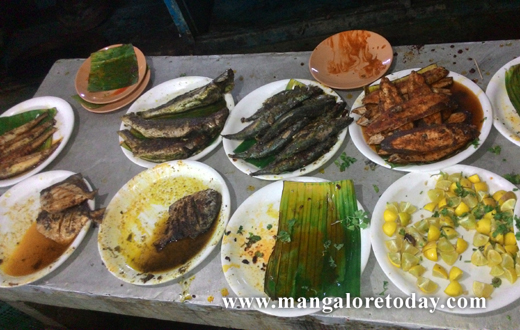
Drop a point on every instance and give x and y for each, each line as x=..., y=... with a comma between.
x=205, y=95
x=315, y=255
x=513, y=86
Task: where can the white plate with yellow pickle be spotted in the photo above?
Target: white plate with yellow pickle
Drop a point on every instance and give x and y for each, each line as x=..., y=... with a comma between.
x=138, y=213
x=407, y=243
x=245, y=269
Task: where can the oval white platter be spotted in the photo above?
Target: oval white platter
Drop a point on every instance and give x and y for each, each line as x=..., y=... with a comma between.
x=413, y=188
x=135, y=197
x=356, y=132
x=254, y=215
x=19, y=208
x=506, y=120
x=64, y=124
x=248, y=106
x=161, y=94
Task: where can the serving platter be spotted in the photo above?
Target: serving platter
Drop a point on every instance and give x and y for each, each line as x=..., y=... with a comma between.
x=505, y=118
x=140, y=204
x=109, y=107
x=413, y=188
x=247, y=106
x=19, y=208
x=81, y=81
x=356, y=132
x=64, y=124
x=258, y=215
x=351, y=59
x=161, y=94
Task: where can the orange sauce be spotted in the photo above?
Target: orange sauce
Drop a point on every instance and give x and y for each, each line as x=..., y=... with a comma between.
x=467, y=101
x=34, y=252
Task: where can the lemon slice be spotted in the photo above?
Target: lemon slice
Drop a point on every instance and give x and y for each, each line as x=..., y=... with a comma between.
x=426, y=285
x=417, y=270
x=461, y=245
x=390, y=215
x=433, y=234
x=443, y=184
x=512, y=249
x=480, y=239
x=496, y=271
x=435, y=195
x=461, y=209
x=478, y=259
x=439, y=271
x=454, y=201
x=510, y=275
x=392, y=206
x=407, y=207
x=444, y=245
x=395, y=259
x=494, y=258
x=481, y=186
x=484, y=226
x=394, y=245
x=482, y=290
x=431, y=254
x=505, y=197
x=455, y=177
x=455, y=273
x=408, y=260
x=449, y=257
x=474, y=178
x=464, y=182
x=507, y=261
x=508, y=205
x=450, y=232
x=454, y=289
x=468, y=222
x=389, y=228
x=446, y=222
x=405, y=218
x=510, y=239
x=409, y=248
x=498, y=194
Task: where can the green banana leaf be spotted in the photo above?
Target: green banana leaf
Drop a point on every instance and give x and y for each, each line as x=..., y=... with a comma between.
x=11, y=122
x=512, y=83
x=113, y=68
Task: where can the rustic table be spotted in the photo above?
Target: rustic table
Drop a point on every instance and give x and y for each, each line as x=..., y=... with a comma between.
x=84, y=283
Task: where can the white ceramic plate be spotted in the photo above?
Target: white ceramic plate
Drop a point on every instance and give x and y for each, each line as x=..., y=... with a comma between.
x=81, y=81
x=248, y=106
x=19, y=208
x=64, y=124
x=254, y=215
x=141, y=203
x=505, y=119
x=413, y=188
x=351, y=59
x=163, y=93
x=357, y=135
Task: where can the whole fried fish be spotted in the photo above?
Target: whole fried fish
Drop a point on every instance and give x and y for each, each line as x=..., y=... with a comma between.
x=198, y=97
x=190, y=216
x=176, y=128
x=25, y=163
x=62, y=227
x=64, y=194
x=14, y=133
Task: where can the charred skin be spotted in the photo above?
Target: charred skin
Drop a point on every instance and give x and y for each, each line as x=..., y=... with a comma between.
x=205, y=95
x=298, y=160
x=190, y=216
x=429, y=139
x=403, y=159
x=176, y=128
x=64, y=194
x=159, y=150
x=16, y=132
x=25, y=163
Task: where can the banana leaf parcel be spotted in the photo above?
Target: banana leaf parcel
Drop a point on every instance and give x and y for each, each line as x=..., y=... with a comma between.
x=317, y=252
x=113, y=68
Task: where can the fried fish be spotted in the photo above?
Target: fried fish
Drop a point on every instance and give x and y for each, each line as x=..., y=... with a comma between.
x=64, y=194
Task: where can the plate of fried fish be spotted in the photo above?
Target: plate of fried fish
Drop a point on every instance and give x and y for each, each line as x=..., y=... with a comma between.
x=286, y=128
x=34, y=142
x=42, y=222
x=421, y=119
x=179, y=119
x=164, y=222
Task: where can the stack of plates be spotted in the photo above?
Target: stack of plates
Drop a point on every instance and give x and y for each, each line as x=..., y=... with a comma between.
x=112, y=100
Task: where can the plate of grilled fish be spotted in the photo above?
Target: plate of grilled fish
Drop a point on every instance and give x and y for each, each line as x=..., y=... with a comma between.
x=421, y=119
x=250, y=239
x=178, y=119
x=506, y=118
x=286, y=128
x=28, y=148
x=164, y=222
x=42, y=222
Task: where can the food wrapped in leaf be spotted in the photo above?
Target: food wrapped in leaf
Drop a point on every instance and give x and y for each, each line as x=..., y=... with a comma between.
x=113, y=68
x=318, y=247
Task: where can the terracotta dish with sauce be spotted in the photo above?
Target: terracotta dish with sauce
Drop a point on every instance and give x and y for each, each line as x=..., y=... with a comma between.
x=351, y=59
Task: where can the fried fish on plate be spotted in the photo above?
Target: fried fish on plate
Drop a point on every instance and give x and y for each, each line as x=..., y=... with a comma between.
x=67, y=193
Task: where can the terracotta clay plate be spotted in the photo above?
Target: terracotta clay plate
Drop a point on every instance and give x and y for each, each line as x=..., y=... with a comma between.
x=81, y=82
x=351, y=59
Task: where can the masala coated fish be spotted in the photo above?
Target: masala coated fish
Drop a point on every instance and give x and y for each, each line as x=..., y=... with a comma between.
x=25, y=163
x=28, y=143
x=159, y=150
x=198, y=97
x=176, y=128
x=428, y=157
x=429, y=138
x=190, y=216
x=66, y=193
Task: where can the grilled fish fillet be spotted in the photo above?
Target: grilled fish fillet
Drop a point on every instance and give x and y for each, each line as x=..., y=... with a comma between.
x=429, y=138
x=176, y=128
x=14, y=133
x=25, y=163
x=426, y=157
x=62, y=227
x=64, y=194
x=190, y=216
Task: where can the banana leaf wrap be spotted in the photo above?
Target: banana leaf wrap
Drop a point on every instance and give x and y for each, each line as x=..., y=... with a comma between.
x=315, y=255
x=113, y=68
x=512, y=82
